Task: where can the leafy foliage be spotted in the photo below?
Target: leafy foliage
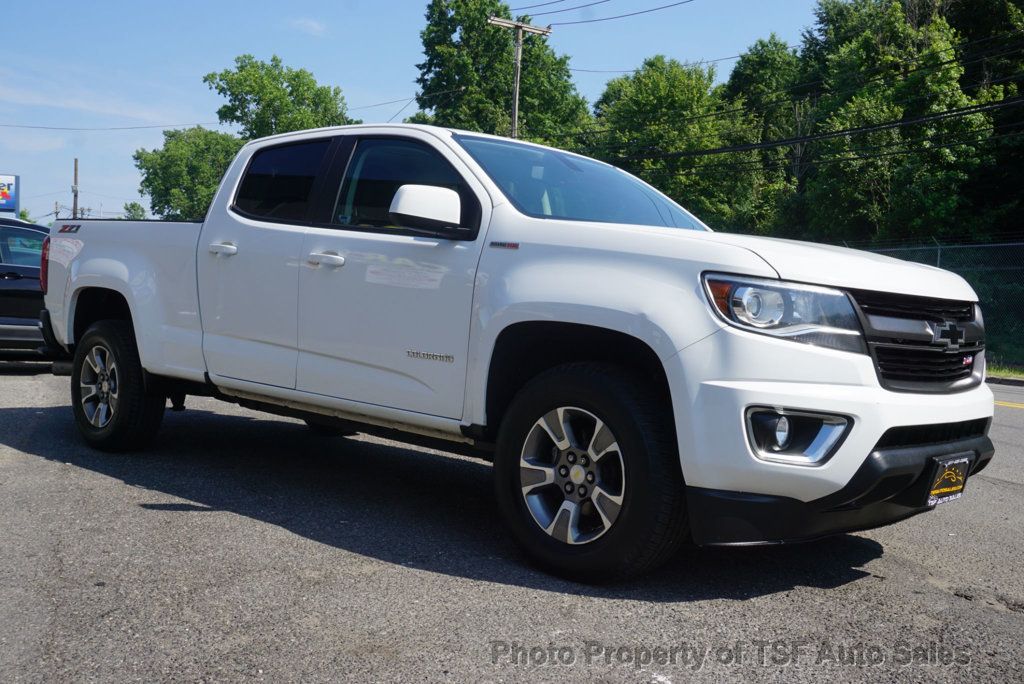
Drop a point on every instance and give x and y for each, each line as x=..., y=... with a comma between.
x=864, y=63
x=265, y=98
x=466, y=78
x=133, y=211
x=182, y=176
x=640, y=112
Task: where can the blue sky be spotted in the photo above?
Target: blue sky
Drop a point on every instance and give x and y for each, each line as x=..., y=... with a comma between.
x=114, y=63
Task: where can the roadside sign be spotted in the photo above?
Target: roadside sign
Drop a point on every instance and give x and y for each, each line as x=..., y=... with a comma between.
x=9, y=193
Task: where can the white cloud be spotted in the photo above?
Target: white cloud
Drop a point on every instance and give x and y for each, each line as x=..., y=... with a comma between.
x=309, y=26
x=82, y=102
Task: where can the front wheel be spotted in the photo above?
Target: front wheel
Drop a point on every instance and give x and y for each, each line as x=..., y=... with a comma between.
x=587, y=473
x=113, y=409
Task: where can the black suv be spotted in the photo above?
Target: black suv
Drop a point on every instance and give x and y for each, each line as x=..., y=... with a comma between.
x=21, y=297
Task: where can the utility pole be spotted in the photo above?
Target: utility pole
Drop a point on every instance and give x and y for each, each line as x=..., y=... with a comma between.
x=56, y=210
x=74, y=193
x=519, y=27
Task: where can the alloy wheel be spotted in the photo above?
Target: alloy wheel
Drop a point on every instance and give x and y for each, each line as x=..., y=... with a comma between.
x=99, y=386
x=572, y=475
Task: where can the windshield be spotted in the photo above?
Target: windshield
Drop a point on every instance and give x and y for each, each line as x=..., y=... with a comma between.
x=545, y=183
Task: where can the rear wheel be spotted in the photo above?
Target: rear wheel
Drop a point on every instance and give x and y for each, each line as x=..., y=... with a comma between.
x=587, y=473
x=112, y=407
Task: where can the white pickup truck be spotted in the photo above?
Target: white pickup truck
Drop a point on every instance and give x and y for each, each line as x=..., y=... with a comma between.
x=637, y=379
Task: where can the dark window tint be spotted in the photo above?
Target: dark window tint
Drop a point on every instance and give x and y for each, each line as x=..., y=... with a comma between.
x=20, y=247
x=279, y=181
x=379, y=167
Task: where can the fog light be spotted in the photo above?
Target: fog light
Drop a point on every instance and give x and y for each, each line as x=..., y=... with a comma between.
x=782, y=433
x=795, y=437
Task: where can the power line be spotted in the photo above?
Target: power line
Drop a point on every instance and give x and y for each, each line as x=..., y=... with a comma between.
x=403, y=99
x=948, y=114
x=201, y=123
x=904, y=148
x=110, y=128
x=46, y=194
x=404, y=107
x=637, y=147
x=629, y=71
x=775, y=104
x=541, y=4
x=622, y=16
x=568, y=9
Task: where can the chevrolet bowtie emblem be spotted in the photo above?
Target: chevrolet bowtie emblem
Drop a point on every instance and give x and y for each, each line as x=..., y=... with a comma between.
x=947, y=333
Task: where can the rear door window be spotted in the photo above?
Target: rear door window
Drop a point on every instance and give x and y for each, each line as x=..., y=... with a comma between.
x=278, y=183
x=20, y=247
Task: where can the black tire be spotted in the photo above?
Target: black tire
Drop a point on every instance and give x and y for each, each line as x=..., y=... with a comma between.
x=651, y=523
x=326, y=429
x=134, y=421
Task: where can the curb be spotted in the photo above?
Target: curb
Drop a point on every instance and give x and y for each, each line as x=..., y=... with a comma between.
x=1006, y=381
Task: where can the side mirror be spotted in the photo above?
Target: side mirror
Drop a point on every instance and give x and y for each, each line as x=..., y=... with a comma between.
x=427, y=207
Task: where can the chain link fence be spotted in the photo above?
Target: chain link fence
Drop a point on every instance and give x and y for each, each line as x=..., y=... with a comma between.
x=996, y=272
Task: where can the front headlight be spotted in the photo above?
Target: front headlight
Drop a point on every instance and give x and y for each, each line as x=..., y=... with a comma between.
x=802, y=313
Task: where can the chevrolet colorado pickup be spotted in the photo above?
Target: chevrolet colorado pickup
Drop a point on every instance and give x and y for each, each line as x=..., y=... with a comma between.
x=637, y=379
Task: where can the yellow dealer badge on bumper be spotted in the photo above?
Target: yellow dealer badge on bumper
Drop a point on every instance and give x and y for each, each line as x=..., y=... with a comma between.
x=948, y=480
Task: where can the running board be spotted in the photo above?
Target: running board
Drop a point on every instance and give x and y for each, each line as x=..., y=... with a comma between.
x=348, y=416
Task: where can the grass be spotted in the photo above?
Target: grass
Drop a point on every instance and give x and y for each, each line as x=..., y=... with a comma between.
x=998, y=370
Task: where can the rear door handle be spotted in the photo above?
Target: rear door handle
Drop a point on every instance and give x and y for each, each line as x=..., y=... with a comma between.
x=11, y=276
x=225, y=248
x=327, y=259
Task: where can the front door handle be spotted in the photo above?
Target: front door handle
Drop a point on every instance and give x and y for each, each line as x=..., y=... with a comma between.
x=327, y=259
x=225, y=248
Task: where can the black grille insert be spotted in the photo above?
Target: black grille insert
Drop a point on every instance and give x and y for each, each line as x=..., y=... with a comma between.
x=924, y=364
x=915, y=308
x=922, y=435
x=933, y=346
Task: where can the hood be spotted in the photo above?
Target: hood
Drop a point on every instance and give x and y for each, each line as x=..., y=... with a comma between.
x=808, y=262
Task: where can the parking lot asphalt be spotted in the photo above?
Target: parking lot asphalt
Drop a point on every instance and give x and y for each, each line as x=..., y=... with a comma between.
x=243, y=547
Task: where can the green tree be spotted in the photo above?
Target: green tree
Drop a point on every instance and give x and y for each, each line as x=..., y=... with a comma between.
x=994, y=70
x=760, y=83
x=181, y=177
x=133, y=211
x=265, y=98
x=903, y=181
x=23, y=215
x=653, y=117
x=466, y=77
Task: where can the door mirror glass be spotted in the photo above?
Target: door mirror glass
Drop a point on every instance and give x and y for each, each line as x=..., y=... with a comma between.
x=426, y=207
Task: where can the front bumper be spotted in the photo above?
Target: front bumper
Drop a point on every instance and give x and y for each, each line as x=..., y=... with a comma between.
x=890, y=485
x=737, y=497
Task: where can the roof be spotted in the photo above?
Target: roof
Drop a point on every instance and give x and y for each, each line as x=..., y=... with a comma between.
x=18, y=223
x=419, y=127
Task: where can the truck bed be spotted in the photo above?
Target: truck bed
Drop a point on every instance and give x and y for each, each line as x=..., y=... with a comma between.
x=152, y=264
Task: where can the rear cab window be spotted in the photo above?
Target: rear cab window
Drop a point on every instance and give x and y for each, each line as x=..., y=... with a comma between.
x=278, y=182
